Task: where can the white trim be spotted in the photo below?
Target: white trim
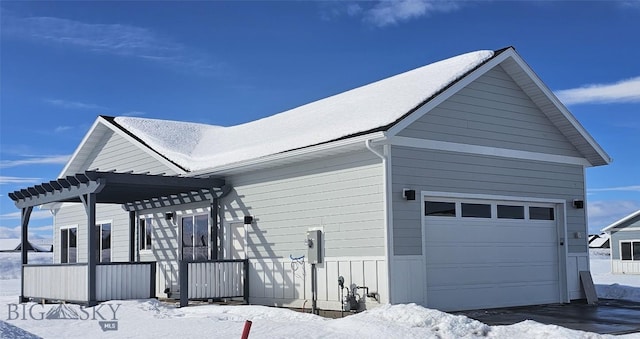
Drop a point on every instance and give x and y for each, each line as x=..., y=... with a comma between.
x=387, y=198
x=456, y=195
x=621, y=221
x=560, y=221
x=627, y=229
x=99, y=236
x=289, y=156
x=556, y=102
x=486, y=150
x=633, y=257
x=100, y=121
x=226, y=237
x=148, y=224
x=179, y=225
x=80, y=146
x=60, y=229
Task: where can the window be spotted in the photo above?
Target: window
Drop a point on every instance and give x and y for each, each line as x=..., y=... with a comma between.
x=144, y=233
x=510, y=212
x=476, y=210
x=439, y=209
x=103, y=246
x=541, y=213
x=630, y=250
x=68, y=245
x=195, y=237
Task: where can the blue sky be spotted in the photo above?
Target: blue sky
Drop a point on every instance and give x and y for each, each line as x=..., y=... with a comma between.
x=224, y=63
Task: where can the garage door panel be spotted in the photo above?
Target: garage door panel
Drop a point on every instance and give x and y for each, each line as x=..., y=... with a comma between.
x=457, y=233
x=493, y=253
x=453, y=298
x=463, y=276
x=490, y=262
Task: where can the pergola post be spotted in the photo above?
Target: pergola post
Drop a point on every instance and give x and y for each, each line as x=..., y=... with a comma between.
x=213, y=221
x=89, y=201
x=24, y=222
x=132, y=237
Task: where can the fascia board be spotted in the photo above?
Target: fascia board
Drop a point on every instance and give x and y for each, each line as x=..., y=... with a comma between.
x=376, y=137
x=74, y=156
x=556, y=102
x=455, y=88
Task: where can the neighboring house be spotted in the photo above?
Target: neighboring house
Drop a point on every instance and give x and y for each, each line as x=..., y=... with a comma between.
x=625, y=244
x=599, y=241
x=457, y=185
x=15, y=245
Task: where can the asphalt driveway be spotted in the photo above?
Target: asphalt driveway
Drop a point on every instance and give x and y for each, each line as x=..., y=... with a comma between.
x=608, y=316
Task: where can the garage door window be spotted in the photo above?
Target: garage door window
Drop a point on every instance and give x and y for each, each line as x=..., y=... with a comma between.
x=541, y=213
x=630, y=250
x=476, y=210
x=439, y=209
x=510, y=212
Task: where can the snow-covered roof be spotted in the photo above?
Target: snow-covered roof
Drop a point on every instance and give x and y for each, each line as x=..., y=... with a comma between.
x=598, y=242
x=13, y=244
x=378, y=105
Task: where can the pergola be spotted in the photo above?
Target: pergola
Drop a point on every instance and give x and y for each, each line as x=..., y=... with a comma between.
x=133, y=191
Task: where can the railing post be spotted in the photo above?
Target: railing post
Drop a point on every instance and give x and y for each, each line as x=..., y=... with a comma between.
x=24, y=223
x=184, y=283
x=246, y=280
x=152, y=288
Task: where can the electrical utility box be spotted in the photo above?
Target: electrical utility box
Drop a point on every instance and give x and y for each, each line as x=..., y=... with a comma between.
x=314, y=246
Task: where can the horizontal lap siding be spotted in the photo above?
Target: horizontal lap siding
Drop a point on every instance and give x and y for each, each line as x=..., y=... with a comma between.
x=114, y=152
x=492, y=111
x=343, y=195
x=621, y=235
x=74, y=215
x=428, y=170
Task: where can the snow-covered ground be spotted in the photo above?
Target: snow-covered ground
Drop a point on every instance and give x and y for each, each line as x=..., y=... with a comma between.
x=150, y=318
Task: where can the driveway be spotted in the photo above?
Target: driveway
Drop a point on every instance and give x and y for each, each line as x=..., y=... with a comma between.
x=608, y=316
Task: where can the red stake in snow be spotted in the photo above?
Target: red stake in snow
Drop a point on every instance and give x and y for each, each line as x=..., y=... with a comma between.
x=247, y=328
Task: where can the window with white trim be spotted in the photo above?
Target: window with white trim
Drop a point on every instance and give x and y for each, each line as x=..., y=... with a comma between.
x=103, y=238
x=69, y=245
x=195, y=237
x=144, y=233
x=630, y=250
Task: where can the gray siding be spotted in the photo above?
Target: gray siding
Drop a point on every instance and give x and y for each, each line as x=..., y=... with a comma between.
x=114, y=152
x=342, y=195
x=428, y=170
x=622, y=235
x=492, y=111
x=74, y=215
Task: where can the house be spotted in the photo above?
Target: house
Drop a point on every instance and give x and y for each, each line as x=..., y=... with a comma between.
x=15, y=245
x=625, y=244
x=395, y=191
x=599, y=241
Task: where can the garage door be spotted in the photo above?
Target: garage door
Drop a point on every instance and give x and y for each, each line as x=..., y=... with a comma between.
x=487, y=254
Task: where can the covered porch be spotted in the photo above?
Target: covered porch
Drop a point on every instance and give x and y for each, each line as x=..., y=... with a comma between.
x=91, y=282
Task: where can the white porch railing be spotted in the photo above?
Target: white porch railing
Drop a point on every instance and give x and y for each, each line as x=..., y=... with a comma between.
x=213, y=280
x=56, y=282
x=125, y=281
x=625, y=266
x=69, y=282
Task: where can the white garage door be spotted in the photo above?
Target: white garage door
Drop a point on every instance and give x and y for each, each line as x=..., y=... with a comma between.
x=486, y=254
